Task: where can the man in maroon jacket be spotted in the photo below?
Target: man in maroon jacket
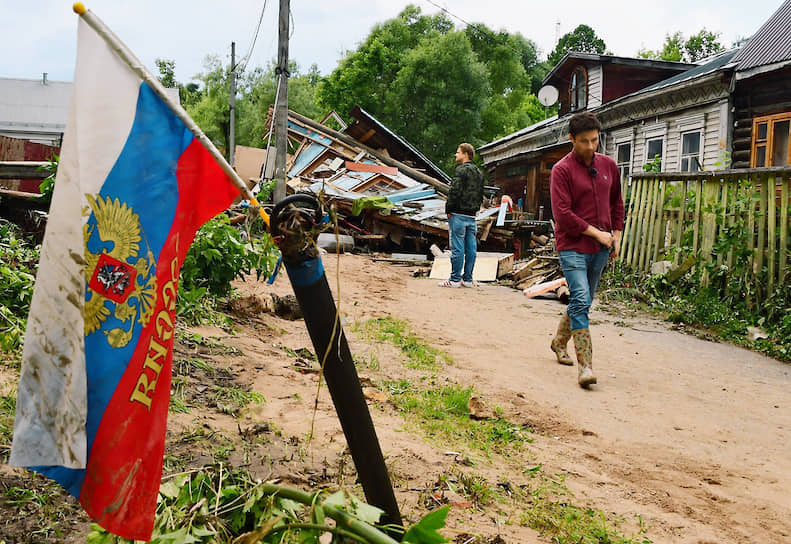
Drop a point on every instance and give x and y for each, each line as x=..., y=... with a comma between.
x=588, y=211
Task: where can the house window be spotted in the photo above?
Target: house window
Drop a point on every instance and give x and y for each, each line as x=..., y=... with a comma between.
x=653, y=148
x=579, y=89
x=624, y=159
x=690, y=152
x=771, y=142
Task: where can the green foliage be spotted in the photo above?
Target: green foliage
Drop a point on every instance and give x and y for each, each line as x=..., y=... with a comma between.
x=582, y=39
x=437, y=86
x=218, y=255
x=18, y=260
x=7, y=412
x=719, y=297
x=219, y=505
x=702, y=45
x=655, y=165
x=692, y=49
x=442, y=413
x=434, y=112
x=397, y=332
x=425, y=531
x=48, y=183
x=364, y=77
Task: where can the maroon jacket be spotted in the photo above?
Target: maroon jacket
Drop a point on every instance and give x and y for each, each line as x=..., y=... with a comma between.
x=583, y=196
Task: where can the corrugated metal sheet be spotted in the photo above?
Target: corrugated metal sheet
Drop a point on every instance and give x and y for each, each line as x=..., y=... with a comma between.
x=32, y=105
x=771, y=44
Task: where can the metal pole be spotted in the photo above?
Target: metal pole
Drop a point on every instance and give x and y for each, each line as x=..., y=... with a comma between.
x=281, y=108
x=232, y=129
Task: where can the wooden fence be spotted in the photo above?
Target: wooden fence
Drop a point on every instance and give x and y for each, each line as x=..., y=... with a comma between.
x=677, y=215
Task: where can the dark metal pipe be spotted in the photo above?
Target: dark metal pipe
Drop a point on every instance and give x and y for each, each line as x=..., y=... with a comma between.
x=306, y=273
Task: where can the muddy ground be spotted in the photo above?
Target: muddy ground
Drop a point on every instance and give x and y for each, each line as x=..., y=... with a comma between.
x=683, y=440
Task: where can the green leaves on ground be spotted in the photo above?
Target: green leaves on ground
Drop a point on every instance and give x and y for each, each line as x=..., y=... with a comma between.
x=19, y=257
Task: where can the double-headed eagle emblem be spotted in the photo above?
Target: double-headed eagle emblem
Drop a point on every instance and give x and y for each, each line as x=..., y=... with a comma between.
x=119, y=282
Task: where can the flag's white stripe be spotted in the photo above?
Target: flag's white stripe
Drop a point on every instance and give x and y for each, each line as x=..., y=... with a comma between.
x=49, y=428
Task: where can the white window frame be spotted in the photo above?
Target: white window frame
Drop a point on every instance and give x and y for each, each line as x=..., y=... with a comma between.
x=627, y=164
x=699, y=155
x=648, y=159
x=687, y=125
x=656, y=131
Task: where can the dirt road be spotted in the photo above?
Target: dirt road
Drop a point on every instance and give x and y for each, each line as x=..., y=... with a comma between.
x=687, y=435
x=681, y=441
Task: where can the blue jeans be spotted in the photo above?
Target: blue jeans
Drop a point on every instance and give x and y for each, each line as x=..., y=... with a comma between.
x=463, y=246
x=583, y=272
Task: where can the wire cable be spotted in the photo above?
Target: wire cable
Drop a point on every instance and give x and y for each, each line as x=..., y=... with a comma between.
x=246, y=58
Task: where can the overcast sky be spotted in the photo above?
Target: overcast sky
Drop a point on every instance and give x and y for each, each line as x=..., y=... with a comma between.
x=40, y=35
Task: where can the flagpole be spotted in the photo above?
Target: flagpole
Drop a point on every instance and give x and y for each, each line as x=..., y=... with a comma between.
x=139, y=68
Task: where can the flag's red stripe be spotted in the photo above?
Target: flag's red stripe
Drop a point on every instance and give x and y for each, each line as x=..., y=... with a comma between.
x=125, y=464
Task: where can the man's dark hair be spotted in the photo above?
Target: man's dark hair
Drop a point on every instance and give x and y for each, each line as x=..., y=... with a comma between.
x=468, y=150
x=581, y=122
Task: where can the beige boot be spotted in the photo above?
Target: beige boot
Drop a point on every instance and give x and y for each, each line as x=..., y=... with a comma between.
x=562, y=337
x=582, y=345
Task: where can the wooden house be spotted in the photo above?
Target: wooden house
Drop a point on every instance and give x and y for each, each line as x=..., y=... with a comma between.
x=730, y=110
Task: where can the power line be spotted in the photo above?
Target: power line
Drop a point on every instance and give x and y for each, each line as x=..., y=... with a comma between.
x=246, y=58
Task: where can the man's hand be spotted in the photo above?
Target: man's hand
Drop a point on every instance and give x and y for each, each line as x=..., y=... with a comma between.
x=616, y=244
x=607, y=239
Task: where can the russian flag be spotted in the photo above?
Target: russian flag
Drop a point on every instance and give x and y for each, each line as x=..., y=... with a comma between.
x=132, y=188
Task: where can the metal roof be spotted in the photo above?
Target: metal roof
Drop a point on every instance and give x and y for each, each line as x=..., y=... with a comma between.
x=434, y=170
x=30, y=107
x=771, y=44
x=709, y=65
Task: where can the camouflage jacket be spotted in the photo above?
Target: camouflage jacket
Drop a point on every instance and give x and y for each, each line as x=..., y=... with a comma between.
x=466, y=192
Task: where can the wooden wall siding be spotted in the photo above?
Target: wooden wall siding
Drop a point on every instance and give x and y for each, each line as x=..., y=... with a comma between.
x=675, y=125
x=594, y=86
x=665, y=220
x=755, y=97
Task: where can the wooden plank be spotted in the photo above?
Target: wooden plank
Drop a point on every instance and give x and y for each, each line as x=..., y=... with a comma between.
x=638, y=231
x=661, y=222
x=696, y=218
x=708, y=222
x=682, y=216
x=525, y=270
x=751, y=239
x=375, y=168
x=627, y=236
x=724, y=220
x=486, y=266
x=784, y=195
x=761, y=246
x=505, y=265
x=771, y=224
x=649, y=225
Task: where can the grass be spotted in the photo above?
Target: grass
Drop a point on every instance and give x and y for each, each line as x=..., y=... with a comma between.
x=441, y=413
x=7, y=412
x=231, y=400
x=420, y=355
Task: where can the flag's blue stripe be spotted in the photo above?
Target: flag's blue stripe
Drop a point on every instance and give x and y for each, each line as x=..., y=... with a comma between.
x=143, y=177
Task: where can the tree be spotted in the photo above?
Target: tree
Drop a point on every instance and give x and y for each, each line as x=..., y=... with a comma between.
x=364, y=76
x=437, y=113
x=702, y=45
x=677, y=48
x=672, y=50
x=514, y=75
x=582, y=39
x=167, y=72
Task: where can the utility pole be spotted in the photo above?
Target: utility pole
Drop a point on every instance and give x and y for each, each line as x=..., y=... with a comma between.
x=281, y=108
x=232, y=130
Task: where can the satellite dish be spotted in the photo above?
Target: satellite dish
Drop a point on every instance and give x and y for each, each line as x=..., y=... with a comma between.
x=547, y=95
